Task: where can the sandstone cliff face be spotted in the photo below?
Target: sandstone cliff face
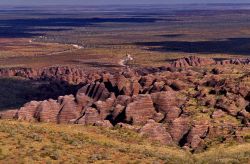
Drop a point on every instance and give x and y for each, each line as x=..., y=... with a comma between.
x=90, y=117
x=68, y=109
x=168, y=104
x=186, y=107
x=47, y=111
x=157, y=132
x=27, y=112
x=140, y=110
x=235, y=61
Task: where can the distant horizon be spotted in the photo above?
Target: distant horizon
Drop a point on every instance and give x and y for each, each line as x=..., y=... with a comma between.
x=115, y=2
x=172, y=4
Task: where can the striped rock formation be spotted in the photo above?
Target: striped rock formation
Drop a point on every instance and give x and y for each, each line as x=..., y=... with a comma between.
x=185, y=107
x=140, y=110
x=168, y=104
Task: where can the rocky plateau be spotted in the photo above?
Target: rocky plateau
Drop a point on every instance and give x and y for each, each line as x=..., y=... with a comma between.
x=190, y=102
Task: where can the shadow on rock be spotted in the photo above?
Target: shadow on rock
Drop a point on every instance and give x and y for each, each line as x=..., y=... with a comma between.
x=14, y=92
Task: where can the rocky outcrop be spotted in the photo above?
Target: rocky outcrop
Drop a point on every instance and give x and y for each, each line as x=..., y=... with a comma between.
x=27, y=112
x=21, y=72
x=188, y=107
x=61, y=111
x=197, y=133
x=168, y=104
x=47, y=111
x=192, y=61
x=75, y=75
x=140, y=110
x=96, y=91
x=179, y=129
x=156, y=132
x=105, y=108
x=232, y=107
x=9, y=114
x=90, y=117
x=127, y=86
x=104, y=123
x=69, y=74
x=68, y=109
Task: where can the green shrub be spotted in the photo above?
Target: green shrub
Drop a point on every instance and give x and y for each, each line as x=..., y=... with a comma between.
x=49, y=151
x=35, y=137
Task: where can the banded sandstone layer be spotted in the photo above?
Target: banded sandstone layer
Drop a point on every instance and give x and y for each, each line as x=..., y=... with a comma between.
x=193, y=102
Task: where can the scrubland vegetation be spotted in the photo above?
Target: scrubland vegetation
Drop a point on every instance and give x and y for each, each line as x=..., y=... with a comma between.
x=22, y=142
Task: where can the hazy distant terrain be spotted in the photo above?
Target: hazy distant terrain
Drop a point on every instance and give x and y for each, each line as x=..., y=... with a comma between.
x=158, y=32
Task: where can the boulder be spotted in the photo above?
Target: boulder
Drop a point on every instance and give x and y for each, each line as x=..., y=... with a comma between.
x=123, y=100
x=197, y=133
x=47, y=111
x=140, y=110
x=105, y=108
x=157, y=132
x=27, y=112
x=126, y=86
x=167, y=103
x=218, y=114
x=147, y=81
x=81, y=98
x=90, y=117
x=118, y=114
x=68, y=109
x=231, y=104
x=159, y=117
x=179, y=128
x=178, y=85
x=104, y=123
x=192, y=61
x=157, y=87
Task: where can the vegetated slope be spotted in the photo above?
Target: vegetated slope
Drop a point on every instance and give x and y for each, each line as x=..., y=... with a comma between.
x=194, y=103
x=22, y=142
x=27, y=142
